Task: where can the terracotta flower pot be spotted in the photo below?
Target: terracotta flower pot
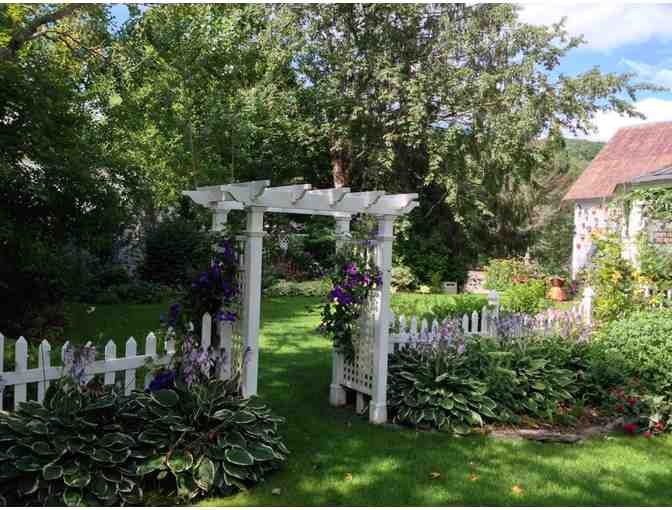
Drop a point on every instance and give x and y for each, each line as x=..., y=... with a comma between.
x=557, y=293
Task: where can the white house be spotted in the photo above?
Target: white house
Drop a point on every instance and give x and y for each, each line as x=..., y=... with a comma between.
x=636, y=156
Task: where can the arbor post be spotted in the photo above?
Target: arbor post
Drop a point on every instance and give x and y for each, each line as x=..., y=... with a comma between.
x=252, y=298
x=337, y=395
x=378, y=405
x=224, y=330
x=219, y=219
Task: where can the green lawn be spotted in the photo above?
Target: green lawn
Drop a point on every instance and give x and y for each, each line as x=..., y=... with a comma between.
x=390, y=466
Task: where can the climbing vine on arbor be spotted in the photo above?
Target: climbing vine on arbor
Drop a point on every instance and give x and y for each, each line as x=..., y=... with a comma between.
x=353, y=278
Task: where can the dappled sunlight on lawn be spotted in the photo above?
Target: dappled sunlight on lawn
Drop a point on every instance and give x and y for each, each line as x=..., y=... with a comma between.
x=338, y=458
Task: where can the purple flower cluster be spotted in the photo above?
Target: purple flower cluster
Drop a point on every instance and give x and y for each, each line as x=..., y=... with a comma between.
x=340, y=295
x=228, y=252
x=354, y=284
x=164, y=380
x=351, y=285
x=226, y=316
x=76, y=361
x=451, y=334
x=566, y=324
x=196, y=362
x=217, y=281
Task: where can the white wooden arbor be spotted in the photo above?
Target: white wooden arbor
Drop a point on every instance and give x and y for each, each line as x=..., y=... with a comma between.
x=256, y=198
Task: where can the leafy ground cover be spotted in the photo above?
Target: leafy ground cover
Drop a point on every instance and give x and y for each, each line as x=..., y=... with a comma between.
x=339, y=459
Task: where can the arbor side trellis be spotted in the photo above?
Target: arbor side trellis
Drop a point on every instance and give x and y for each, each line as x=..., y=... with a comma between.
x=257, y=198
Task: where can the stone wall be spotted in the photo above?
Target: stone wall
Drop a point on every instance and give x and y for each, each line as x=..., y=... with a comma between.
x=591, y=217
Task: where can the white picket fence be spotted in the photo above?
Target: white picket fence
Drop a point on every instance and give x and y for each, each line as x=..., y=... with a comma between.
x=405, y=331
x=649, y=291
x=109, y=366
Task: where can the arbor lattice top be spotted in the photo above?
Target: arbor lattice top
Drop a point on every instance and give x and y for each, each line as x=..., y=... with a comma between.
x=302, y=199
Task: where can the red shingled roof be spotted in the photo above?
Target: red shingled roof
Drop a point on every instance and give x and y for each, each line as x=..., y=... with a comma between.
x=632, y=152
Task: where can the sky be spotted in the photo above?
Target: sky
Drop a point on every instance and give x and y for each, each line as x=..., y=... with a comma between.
x=620, y=38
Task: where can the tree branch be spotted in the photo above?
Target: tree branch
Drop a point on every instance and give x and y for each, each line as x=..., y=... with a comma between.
x=35, y=29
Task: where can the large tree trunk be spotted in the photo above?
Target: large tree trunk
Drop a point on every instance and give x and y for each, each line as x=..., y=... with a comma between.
x=341, y=159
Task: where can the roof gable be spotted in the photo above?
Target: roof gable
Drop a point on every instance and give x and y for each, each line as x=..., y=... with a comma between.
x=632, y=152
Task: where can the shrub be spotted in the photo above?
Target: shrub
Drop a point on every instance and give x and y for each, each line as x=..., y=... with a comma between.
x=403, y=278
x=112, y=275
x=439, y=306
x=283, y=288
x=459, y=305
x=138, y=291
x=640, y=347
x=30, y=281
x=174, y=248
x=647, y=414
x=527, y=297
x=501, y=274
x=303, y=260
x=612, y=278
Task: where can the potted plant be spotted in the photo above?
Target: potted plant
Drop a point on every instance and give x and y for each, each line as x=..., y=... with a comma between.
x=556, y=292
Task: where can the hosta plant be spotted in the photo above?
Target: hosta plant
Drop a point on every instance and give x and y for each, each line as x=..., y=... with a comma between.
x=92, y=446
x=431, y=386
x=202, y=439
x=525, y=377
x=458, y=384
x=70, y=451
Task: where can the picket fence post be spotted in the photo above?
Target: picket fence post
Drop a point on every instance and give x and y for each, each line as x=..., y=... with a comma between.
x=150, y=352
x=20, y=365
x=43, y=362
x=493, y=302
x=110, y=354
x=129, y=379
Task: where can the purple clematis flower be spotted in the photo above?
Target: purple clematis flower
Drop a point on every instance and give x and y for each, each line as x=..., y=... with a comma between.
x=162, y=381
x=351, y=269
x=227, y=316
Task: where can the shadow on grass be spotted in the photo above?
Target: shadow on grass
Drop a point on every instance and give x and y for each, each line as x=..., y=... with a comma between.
x=391, y=466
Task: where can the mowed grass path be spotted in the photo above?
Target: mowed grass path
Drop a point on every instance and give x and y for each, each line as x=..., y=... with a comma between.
x=392, y=467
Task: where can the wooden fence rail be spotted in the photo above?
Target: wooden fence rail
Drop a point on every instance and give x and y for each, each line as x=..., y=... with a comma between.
x=111, y=364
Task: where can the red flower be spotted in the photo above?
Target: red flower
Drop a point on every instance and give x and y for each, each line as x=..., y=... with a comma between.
x=630, y=428
x=619, y=408
x=632, y=401
x=660, y=425
x=648, y=434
